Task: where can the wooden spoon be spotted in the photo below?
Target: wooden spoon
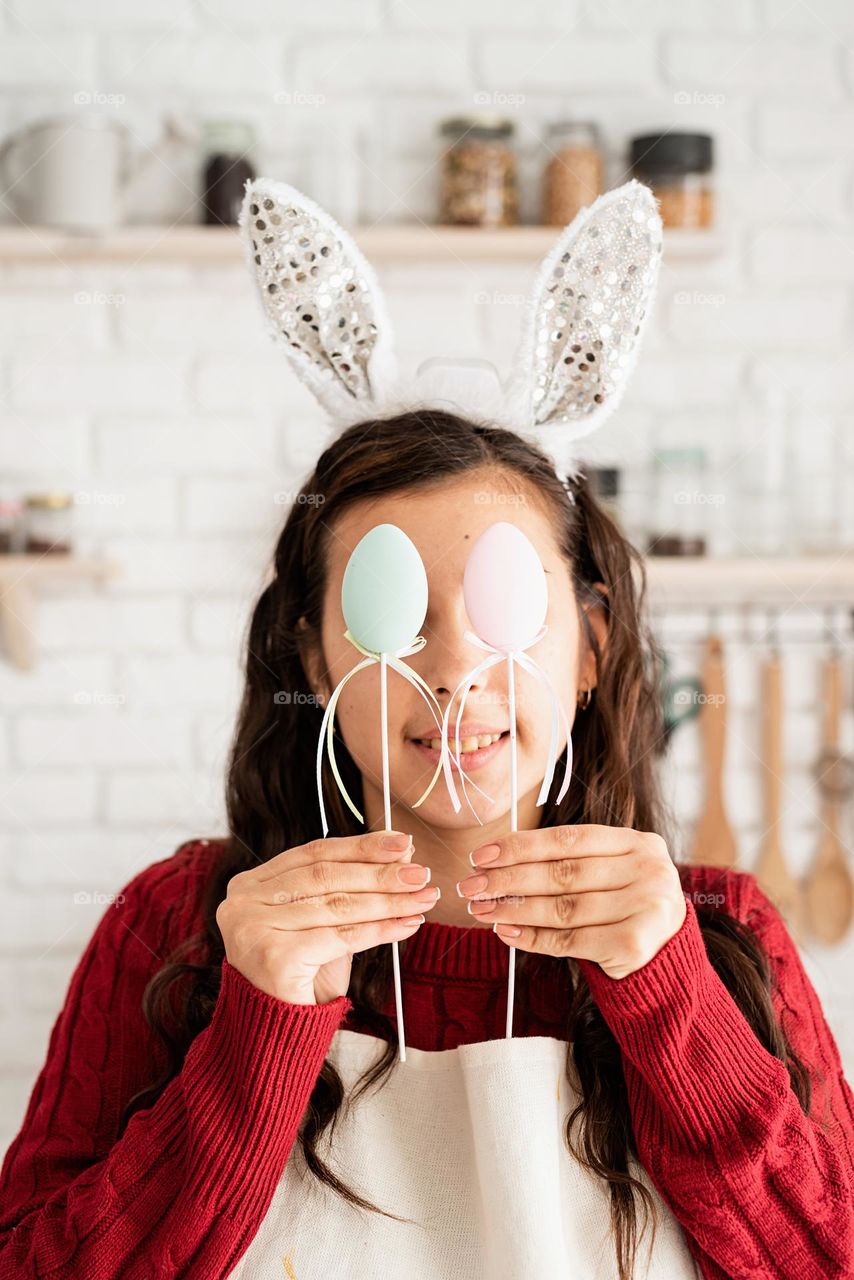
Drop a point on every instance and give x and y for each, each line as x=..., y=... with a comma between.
x=829, y=895
x=771, y=870
x=714, y=841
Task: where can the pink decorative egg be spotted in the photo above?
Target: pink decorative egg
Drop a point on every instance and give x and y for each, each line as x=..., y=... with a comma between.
x=505, y=589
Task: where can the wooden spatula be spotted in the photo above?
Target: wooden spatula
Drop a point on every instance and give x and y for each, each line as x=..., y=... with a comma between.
x=771, y=869
x=714, y=842
x=829, y=896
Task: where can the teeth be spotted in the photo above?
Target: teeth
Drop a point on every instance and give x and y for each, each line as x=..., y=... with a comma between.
x=466, y=744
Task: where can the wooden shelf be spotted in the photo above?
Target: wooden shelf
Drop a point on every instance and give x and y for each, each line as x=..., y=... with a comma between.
x=204, y=246
x=20, y=578
x=703, y=582
x=706, y=581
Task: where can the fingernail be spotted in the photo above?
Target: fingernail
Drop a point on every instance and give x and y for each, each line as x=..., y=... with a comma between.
x=481, y=906
x=396, y=840
x=472, y=884
x=506, y=930
x=487, y=853
x=412, y=873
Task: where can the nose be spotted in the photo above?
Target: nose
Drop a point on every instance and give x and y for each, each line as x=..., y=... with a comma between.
x=448, y=666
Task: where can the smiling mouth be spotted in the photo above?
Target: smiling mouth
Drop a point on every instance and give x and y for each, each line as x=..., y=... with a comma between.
x=478, y=743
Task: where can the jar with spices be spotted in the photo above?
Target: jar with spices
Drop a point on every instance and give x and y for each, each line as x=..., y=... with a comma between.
x=226, y=144
x=678, y=167
x=478, y=176
x=574, y=175
x=47, y=523
x=679, y=503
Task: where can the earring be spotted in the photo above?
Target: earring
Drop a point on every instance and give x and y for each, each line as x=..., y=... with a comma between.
x=589, y=694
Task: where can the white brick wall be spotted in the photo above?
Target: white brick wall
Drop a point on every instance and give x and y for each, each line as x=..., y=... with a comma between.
x=153, y=390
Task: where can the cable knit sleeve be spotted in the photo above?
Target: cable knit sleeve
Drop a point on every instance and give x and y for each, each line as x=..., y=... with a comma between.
x=760, y=1188
x=185, y=1188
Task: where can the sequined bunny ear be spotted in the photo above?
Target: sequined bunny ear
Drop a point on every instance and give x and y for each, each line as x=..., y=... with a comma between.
x=582, y=331
x=320, y=299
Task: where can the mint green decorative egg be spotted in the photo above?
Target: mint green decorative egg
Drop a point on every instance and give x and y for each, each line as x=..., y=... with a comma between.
x=384, y=591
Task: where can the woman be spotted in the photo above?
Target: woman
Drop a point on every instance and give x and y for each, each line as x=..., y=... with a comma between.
x=188, y=1064
x=221, y=1096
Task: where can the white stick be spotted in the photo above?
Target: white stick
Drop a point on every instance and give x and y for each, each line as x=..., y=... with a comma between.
x=514, y=826
x=398, y=993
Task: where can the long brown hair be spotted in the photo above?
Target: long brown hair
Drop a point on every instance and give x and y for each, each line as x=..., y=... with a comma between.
x=271, y=798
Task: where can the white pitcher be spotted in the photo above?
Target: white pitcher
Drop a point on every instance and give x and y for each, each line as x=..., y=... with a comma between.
x=70, y=172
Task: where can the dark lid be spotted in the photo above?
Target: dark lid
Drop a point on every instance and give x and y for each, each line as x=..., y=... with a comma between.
x=477, y=125
x=605, y=481
x=672, y=153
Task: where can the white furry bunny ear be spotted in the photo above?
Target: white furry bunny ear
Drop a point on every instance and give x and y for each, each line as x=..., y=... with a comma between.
x=320, y=299
x=585, y=319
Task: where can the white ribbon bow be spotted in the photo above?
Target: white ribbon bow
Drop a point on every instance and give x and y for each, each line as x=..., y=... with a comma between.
x=327, y=728
x=528, y=664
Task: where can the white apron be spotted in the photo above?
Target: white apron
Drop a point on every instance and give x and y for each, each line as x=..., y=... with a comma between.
x=469, y=1143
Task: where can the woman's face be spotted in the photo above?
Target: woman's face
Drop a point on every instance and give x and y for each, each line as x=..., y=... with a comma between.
x=444, y=523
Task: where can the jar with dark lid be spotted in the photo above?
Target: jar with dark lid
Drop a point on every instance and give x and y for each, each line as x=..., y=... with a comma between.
x=478, y=176
x=680, y=503
x=678, y=167
x=11, y=511
x=226, y=143
x=605, y=485
x=574, y=175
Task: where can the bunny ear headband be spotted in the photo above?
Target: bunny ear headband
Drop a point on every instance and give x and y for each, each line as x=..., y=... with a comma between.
x=584, y=320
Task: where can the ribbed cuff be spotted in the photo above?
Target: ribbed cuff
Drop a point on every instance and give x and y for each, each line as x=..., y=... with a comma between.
x=678, y=1025
x=248, y=1079
x=670, y=975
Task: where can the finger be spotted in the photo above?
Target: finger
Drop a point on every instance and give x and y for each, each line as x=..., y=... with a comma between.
x=583, y=841
x=602, y=943
x=560, y=875
x=311, y=911
x=342, y=877
x=314, y=947
x=370, y=846
x=562, y=911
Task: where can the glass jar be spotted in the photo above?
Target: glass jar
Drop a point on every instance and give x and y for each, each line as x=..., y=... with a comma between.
x=478, y=176
x=678, y=167
x=818, y=478
x=226, y=144
x=679, y=503
x=605, y=485
x=47, y=523
x=574, y=176
x=766, y=519
x=10, y=525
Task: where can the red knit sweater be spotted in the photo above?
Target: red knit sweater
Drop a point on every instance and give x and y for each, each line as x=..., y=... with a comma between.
x=761, y=1190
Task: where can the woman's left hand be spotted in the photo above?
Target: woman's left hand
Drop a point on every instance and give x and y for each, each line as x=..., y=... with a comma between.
x=608, y=894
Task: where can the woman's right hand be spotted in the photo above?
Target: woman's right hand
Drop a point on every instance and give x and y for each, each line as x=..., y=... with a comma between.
x=292, y=925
